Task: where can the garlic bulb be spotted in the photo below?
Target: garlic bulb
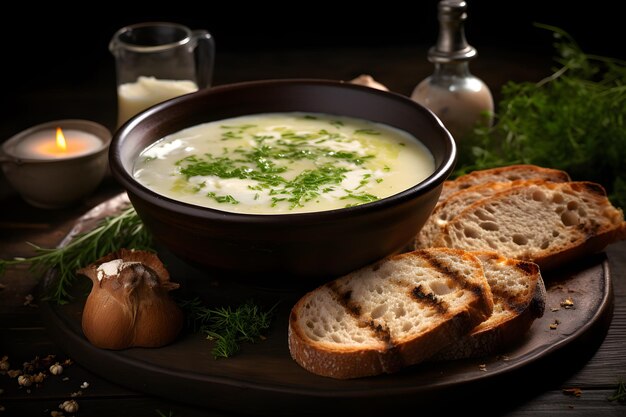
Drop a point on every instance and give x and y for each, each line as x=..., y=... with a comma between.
x=368, y=81
x=129, y=304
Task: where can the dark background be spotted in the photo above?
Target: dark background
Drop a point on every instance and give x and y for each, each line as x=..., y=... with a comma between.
x=60, y=54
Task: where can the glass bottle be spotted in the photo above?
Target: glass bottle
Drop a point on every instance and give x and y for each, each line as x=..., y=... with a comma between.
x=457, y=97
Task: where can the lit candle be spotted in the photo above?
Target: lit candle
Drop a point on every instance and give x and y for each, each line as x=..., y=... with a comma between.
x=57, y=144
x=55, y=164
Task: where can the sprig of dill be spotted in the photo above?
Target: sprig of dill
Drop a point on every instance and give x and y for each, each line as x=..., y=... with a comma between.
x=228, y=327
x=124, y=230
x=620, y=393
x=160, y=413
x=574, y=120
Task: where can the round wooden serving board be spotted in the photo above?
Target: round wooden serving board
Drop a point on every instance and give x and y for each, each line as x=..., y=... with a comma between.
x=263, y=379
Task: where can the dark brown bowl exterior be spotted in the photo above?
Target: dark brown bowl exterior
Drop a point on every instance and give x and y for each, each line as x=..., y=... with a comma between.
x=289, y=248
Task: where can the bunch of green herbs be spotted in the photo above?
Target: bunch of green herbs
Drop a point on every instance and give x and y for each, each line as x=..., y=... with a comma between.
x=572, y=120
x=228, y=327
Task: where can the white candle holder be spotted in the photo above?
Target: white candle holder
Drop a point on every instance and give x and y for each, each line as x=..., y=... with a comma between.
x=57, y=181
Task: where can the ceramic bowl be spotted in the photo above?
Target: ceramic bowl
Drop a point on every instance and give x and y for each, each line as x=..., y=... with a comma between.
x=304, y=248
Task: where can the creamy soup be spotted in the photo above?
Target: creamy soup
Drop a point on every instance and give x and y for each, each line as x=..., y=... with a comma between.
x=283, y=163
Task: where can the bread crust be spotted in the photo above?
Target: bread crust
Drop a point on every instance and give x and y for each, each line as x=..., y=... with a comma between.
x=496, y=334
x=502, y=174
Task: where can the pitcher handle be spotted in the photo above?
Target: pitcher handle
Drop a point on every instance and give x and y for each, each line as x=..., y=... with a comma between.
x=205, y=57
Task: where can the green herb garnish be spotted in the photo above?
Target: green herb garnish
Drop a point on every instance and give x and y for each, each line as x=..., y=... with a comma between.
x=162, y=414
x=225, y=167
x=573, y=120
x=363, y=197
x=264, y=164
x=239, y=127
x=620, y=393
x=307, y=185
x=228, y=327
x=121, y=231
x=222, y=198
x=367, y=132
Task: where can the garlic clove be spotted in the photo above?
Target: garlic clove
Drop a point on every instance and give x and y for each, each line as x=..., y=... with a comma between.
x=129, y=304
x=108, y=320
x=160, y=317
x=368, y=81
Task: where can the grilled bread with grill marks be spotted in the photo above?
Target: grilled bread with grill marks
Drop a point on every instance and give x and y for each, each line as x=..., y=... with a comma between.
x=518, y=299
x=395, y=313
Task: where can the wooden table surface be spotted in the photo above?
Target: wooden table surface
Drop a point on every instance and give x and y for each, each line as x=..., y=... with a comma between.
x=594, y=367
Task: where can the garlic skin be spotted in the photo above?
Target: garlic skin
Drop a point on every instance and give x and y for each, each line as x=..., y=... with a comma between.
x=368, y=81
x=129, y=304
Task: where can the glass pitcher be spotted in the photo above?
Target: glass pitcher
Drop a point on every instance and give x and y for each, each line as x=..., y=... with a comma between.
x=157, y=61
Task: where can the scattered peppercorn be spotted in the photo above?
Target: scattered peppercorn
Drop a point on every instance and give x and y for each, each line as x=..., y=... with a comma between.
x=4, y=365
x=56, y=369
x=24, y=380
x=69, y=406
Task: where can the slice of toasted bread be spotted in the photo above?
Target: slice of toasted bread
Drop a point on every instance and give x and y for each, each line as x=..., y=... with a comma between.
x=518, y=298
x=455, y=203
x=389, y=315
x=547, y=223
x=503, y=174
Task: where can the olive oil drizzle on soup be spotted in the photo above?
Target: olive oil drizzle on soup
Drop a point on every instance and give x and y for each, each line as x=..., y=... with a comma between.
x=282, y=163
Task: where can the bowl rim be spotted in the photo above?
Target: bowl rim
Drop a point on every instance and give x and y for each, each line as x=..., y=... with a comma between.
x=133, y=187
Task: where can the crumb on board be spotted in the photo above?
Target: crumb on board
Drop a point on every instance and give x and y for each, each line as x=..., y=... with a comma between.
x=575, y=392
x=28, y=301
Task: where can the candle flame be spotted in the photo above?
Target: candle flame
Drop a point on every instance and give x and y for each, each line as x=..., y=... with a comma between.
x=61, y=144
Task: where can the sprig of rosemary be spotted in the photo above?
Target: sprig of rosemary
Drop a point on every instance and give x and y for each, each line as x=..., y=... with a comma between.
x=160, y=413
x=572, y=120
x=228, y=327
x=620, y=393
x=124, y=230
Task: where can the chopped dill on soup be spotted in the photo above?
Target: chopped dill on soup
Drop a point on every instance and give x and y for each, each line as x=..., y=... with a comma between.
x=281, y=163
